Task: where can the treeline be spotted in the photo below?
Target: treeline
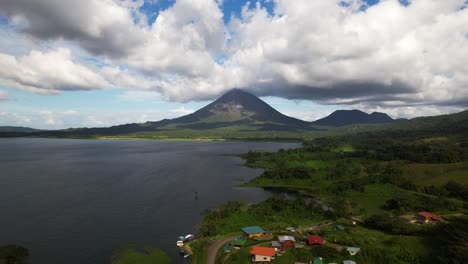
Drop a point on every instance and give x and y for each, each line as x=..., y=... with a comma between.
x=448, y=241
x=394, y=225
x=419, y=153
x=384, y=146
x=421, y=202
x=374, y=173
x=450, y=189
x=277, y=209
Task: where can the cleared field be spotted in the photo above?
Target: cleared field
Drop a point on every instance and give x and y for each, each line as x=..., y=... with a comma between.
x=427, y=174
x=374, y=197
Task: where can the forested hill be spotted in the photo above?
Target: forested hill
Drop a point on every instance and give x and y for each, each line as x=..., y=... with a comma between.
x=350, y=117
x=18, y=129
x=451, y=123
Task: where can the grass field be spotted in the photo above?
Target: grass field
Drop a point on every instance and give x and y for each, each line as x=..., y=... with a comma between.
x=427, y=174
x=374, y=197
x=200, y=249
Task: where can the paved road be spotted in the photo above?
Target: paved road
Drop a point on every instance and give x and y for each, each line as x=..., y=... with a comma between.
x=213, y=249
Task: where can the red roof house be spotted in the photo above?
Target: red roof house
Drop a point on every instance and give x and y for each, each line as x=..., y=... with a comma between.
x=315, y=240
x=262, y=254
x=427, y=217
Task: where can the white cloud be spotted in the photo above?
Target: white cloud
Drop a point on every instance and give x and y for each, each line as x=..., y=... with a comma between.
x=182, y=111
x=14, y=119
x=60, y=119
x=100, y=26
x=413, y=52
x=399, y=58
x=48, y=72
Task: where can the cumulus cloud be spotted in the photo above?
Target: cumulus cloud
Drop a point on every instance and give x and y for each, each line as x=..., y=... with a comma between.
x=61, y=119
x=48, y=72
x=100, y=26
x=389, y=56
x=332, y=53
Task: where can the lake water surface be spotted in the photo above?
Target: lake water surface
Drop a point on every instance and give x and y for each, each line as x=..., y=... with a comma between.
x=75, y=201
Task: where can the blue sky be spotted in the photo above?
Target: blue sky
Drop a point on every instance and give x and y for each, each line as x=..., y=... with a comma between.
x=124, y=61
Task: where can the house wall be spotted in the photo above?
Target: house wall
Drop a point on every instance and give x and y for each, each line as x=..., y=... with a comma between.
x=260, y=258
x=422, y=219
x=255, y=235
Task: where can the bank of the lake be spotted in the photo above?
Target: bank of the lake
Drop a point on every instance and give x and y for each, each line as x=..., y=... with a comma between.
x=377, y=201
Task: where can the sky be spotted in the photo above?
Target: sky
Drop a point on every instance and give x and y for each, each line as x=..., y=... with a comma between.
x=94, y=63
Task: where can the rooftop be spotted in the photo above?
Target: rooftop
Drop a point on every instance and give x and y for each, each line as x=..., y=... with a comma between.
x=252, y=230
x=239, y=242
x=263, y=251
x=429, y=215
x=315, y=239
x=355, y=249
x=286, y=238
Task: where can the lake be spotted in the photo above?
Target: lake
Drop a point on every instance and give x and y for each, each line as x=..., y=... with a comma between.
x=75, y=201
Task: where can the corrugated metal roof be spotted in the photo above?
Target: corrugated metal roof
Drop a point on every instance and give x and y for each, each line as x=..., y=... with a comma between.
x=253, y=230
x=263, y=251
x=286, y=238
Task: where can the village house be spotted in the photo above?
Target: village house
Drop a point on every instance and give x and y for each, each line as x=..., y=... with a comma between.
x=262, y=254
x=286, y=242
x=275, y=244
x=353, y=250
x=239, y=242
x=427, y=217
x=315, y=240
x=228, y=248
x=253, y=231
x=349, y=262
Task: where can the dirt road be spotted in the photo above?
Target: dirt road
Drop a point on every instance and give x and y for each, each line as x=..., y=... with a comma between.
x=213, y=249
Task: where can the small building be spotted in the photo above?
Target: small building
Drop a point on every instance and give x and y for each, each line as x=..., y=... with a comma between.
x=349, y=262
x=262, y=254
x=275, y=244
x=427, y=217
x=315, y=240
x=318, y=260
x=228, y=248
x=353, y=250
x=286, y=241
x=189, y=237
x=240, y=242
x=253, y=231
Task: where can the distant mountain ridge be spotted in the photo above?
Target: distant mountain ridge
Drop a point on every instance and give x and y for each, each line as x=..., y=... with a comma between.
x=239, y=114
x=351, y=117
x=18, y=129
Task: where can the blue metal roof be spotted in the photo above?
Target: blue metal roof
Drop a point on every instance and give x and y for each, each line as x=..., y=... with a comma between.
x=355, y=249
x=253, y=230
